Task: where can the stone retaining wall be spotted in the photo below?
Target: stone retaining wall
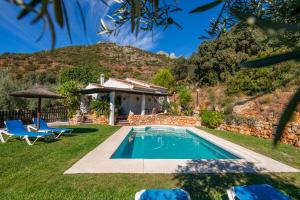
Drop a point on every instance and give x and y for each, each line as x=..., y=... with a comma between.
x=266, y=130
x=136, y=120
x=88, y=118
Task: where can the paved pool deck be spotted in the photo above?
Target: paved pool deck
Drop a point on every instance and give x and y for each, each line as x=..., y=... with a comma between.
x=98, y=160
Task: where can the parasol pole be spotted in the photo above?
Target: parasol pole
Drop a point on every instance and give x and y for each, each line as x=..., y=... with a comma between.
x=39, y=113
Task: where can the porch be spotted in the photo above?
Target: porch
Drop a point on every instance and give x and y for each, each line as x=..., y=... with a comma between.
x=123, y=103
x=125, y=97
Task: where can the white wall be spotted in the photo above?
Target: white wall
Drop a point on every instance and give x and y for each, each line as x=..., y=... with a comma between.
x=132, y=102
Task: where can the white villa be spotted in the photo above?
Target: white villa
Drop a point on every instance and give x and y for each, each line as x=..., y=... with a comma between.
x=126, y=96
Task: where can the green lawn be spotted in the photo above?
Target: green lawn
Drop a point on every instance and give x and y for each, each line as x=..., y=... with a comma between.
x=36, y=172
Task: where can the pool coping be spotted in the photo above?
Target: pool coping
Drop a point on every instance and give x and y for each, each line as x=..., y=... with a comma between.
x=98, y=160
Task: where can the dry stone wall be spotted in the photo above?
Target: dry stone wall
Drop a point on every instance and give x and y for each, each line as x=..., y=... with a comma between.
x=88, y=118
x=265, y=130
x=136, y=120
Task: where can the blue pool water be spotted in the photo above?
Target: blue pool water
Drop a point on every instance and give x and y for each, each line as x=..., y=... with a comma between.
x=168, y=143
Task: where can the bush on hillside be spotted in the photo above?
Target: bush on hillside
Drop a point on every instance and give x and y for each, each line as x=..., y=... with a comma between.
x=219, y=59
x=173, y=109
x=82, y=74
x=164, y=78
x=239, y=120
x=185, y=98
x=183, y=71
x=7, y=85
x=262, y=80
x=212, y=119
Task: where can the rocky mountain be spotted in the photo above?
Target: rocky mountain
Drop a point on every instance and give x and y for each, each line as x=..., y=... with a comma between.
x=120, y=61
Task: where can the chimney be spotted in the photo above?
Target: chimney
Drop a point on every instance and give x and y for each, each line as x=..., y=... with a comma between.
x=102, y=79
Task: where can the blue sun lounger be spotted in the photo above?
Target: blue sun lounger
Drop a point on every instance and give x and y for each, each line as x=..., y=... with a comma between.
x=15, y=128
x=255, y=192
x=162, y=194
x=44, y=127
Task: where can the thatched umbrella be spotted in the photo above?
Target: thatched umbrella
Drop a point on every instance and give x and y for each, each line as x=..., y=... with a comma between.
x=39, y=92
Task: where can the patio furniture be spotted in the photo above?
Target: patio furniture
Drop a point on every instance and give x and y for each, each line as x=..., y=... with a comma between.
x=255, y=192
x=15, y=128
x=38, y=92
x=44, y=127
x=162, y=194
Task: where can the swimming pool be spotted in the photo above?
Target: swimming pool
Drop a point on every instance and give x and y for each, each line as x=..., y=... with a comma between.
x=168, y=143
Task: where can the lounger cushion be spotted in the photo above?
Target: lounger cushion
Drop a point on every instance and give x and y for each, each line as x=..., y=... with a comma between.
x=44, y=126
x=258, y=192
x=164, y=194
x=58, y=130
x=32, y=134
x=16, y=128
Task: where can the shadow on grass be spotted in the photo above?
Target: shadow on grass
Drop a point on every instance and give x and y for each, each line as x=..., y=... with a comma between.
x=214, y=185
x=77, y=131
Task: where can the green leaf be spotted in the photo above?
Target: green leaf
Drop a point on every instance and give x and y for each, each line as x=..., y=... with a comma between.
x=155, y=6
x=104, y=2
x=67, y=21
x=138, y=11
x=58, y=12
x=42, y=32
x=271, y=60
x=286, y=116
x=42, y=12
x=265, y=24
x=176, y=10
x=81, y=16
x=206, y=6
x=178, y=25
x=132, y=15
x=28, y=8
x=52, y=29
x=296, y=11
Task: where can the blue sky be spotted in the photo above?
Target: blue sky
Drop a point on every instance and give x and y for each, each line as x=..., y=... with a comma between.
x=20, y=36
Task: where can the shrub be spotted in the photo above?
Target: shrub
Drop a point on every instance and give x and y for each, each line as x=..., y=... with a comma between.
x=265, y=99
x=71, y=101
x=227, y=104
x=100, y=107
x=212, y=98
x=174, y=109
x=228, y=109
x=238, y=120
x=212, y=119
x=262, y=80
x=166, y=106
x=188, y=111
x=164, y=78
x=185, y=98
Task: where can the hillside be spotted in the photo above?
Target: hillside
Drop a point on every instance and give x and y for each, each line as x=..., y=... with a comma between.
x=120, y=61
x=266, y=107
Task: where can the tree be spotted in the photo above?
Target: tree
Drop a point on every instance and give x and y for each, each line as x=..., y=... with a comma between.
x=7, y=86
x=81, y=74
x=71, y=101
x=184, y=71
x=263, y=80
x=164, y=78
x=219, y=59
